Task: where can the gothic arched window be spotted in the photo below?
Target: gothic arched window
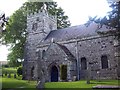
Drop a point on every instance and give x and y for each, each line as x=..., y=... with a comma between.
x=83, y=63
x=104, y=62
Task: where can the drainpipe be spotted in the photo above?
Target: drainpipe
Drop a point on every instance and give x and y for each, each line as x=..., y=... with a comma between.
x=77, y=55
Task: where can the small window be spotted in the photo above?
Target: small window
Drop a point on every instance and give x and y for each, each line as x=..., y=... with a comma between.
x=32, y=72
x=37, y=19
x=43, y=53
x=83, y=63
x=34, y=27
x=104, y=62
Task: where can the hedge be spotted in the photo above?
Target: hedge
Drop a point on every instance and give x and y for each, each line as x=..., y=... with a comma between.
x=63, y=70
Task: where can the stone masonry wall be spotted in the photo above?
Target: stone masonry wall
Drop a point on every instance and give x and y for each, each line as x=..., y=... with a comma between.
x=92, y=50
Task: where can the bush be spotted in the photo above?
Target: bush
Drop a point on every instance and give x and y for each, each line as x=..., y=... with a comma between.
x=64, y=72
x=19, y=71
x=9, y=70
x=6, y=66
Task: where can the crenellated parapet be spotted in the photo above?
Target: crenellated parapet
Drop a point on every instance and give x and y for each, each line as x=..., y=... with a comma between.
x=41, y=13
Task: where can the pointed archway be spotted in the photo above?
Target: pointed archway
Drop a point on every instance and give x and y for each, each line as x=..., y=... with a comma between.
x=54, y=74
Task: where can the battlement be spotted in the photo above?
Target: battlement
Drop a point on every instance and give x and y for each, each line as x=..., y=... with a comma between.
x=41, y=13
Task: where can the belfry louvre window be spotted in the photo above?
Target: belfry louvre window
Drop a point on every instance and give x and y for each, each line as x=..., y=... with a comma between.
x=104, y=61
x=83, y=63
x=34, y=27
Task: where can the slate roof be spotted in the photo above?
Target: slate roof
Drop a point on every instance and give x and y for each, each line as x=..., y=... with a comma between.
x=73, y=32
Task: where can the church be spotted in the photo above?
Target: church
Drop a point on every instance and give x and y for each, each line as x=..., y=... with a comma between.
x=69, y=54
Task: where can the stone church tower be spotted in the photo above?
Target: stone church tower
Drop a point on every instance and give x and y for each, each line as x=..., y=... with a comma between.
x=39, y=25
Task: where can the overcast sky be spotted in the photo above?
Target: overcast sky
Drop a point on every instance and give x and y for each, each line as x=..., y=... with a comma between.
x=77, y=11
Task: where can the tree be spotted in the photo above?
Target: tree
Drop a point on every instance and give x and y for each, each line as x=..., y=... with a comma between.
x=112, y=19
x=15, y=34
x=3, y=22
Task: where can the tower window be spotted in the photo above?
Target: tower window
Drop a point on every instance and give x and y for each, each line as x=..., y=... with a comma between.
x=43, y=53
x=37, y=19
x=34, y=27
x=104, y=62
x=83, y=63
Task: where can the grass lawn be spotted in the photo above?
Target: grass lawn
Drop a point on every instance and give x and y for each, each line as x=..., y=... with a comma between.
x=12, y=83
x=80, y=84
x=16, y=83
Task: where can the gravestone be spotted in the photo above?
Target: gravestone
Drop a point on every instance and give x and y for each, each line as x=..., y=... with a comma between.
x=5, y=73
x=40, y=85
x=9, y=75
x=14, y=75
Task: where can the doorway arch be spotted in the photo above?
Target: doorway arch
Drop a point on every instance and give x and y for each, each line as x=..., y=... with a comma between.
x=54, y=74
